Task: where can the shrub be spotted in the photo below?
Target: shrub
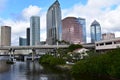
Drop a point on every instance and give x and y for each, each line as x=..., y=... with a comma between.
x=45, y=59
x=51, y=60
x=104, y=64
x=72, y=47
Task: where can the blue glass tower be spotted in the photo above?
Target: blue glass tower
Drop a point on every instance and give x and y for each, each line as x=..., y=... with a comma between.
x=95, y=31
x=83, y=24
x=34, y=30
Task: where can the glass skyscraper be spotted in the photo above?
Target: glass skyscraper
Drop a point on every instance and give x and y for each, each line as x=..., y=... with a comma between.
x=54, y=29
x=22, y=41
x=95, y=31
x=28, y=36
x=83, y=24
x=34, y=30
x=74, y=30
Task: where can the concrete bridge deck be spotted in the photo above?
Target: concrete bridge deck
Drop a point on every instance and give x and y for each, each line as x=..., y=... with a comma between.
x=33, y=47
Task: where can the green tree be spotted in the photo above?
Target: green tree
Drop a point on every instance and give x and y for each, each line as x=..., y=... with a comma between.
x=102, y=64
x=72, y=47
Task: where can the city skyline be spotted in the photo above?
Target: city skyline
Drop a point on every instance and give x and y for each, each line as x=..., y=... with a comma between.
x=17, y=16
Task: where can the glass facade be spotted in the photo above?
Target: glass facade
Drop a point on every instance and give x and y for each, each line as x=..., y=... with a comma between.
x=72, y=30
x=83, y=23
x=22, y=41
x=28, y=36
x=54, y=29
x=34, y=30
x=95, y=31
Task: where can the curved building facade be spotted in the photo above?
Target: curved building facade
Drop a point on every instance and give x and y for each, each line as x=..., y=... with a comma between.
x=5, y=36
x=95, y=31
x=54, y=29
x=73, y=30
x=34, y=30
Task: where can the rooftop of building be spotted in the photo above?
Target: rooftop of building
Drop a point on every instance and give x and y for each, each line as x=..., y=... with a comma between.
x=55, y=3
x=69, y=18
x=114, y=39
x=95, y=23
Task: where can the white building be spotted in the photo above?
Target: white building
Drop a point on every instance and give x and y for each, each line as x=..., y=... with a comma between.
x=107, y=44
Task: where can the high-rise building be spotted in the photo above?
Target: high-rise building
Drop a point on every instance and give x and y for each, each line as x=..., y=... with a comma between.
x=95, y=31
x=34, y=30
x=28, y=36
x=54, y=29
x=83, y=24
x=108, y=36
x=72, y=30
x=5, y=36
x=22, y=41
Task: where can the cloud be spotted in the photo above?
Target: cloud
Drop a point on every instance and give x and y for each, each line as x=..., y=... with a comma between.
x=30, y=11
x=19, y=25
x=18, y=29
x=35, y=10
x=107, y=13
x=110, y=20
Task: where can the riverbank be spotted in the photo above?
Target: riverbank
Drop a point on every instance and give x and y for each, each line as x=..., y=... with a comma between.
x=104, y=65
x=66, y=67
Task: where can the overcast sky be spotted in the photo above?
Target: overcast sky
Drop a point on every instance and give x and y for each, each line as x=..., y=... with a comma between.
x=16, y=13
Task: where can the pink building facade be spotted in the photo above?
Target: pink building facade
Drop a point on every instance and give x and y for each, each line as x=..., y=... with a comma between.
x=72, y=30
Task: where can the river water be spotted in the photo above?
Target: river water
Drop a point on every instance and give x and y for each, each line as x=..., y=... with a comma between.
x=29, y=71
x=34, y=71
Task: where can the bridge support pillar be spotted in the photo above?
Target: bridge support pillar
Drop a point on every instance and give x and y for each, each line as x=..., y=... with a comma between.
x=10, y=50
x=33, y=53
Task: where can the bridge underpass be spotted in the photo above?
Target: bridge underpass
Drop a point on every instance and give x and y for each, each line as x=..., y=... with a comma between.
x=41, y=49
x=13, y=51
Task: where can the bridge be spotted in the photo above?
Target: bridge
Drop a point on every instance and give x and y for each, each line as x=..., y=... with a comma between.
x=40, y=49
x=88, y=45
x=33, y=47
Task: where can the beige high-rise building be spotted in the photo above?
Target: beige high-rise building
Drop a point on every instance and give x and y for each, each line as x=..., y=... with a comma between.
x=108, y=36
x=5, y=36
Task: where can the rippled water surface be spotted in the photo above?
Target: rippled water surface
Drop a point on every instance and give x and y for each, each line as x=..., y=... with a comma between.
x=34, y=71
x=28, y=71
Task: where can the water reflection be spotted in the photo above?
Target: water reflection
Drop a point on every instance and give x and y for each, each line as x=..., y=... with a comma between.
x=28, y=71
x=35, y=71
